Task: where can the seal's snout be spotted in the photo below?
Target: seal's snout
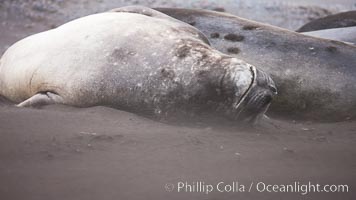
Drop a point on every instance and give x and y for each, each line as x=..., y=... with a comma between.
x=259, y=97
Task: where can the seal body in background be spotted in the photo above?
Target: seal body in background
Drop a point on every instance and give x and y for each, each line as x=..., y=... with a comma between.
x=338, y=20
x=135, y=59
x=316, y=78
x=340, y=27
x=347, y=34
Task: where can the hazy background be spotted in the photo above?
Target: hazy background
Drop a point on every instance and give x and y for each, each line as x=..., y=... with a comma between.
x=20, y=18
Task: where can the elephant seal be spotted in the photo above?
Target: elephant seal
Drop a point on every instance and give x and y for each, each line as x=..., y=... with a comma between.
x=137, y=60
x=316, y=78
x=339, y=20
x=347, y=34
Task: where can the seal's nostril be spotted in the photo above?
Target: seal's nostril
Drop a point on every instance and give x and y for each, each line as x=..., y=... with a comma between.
x=273, y=89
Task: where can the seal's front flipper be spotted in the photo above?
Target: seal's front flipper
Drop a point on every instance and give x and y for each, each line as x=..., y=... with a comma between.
x=41, y=99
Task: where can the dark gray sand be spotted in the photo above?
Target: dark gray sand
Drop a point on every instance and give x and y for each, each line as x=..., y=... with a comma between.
x=61, y=152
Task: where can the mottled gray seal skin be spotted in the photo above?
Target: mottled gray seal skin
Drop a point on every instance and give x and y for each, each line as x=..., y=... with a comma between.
x=339, y=20
x=316, y=78
x=134, y=61
x=347, y=34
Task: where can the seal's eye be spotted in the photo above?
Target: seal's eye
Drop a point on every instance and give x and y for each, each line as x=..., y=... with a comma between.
x=273, y=89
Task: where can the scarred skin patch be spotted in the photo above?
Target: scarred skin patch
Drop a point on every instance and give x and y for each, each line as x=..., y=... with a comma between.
x=234, y=37
x=233, y=50
x=214, y=35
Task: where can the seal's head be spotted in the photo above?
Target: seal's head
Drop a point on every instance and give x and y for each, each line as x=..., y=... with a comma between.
x=257, y=98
